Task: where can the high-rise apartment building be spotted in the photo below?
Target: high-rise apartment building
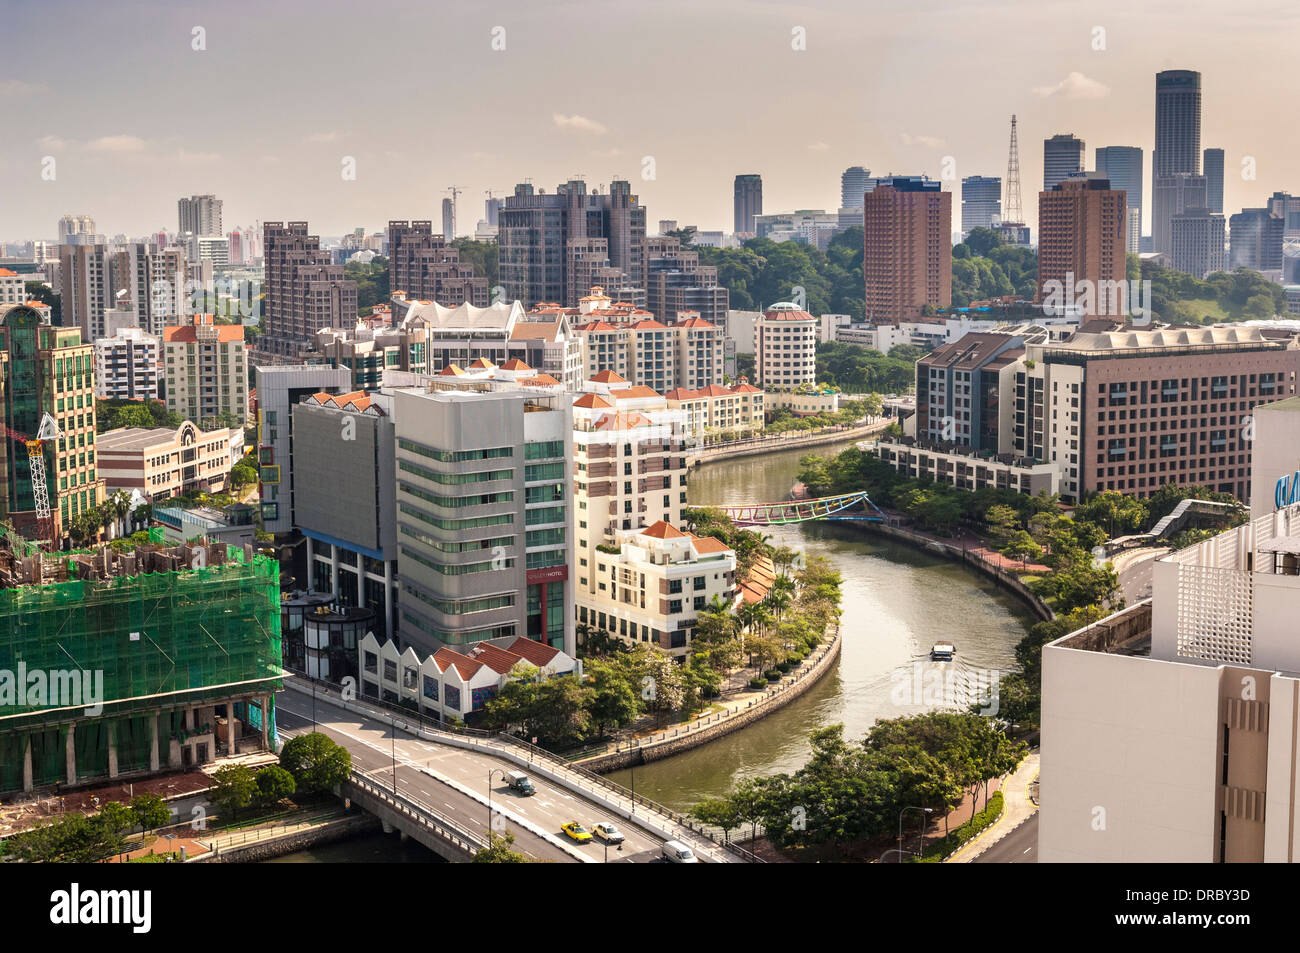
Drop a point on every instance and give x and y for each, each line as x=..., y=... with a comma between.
x=205, y=366
x=1082, y=259
x=748, y=202
x=785, y=347
x=76, y=230
x=1197, y=243
x=428, y=268
x=304, y=292
x=1213, y=168
x=1063, y=156
x=548, y=241
x=199, y=215
x=981, y=202
x=1177, y=151
x=907, y=249
x=676, y=282
x=47, y=370
x=126, y=365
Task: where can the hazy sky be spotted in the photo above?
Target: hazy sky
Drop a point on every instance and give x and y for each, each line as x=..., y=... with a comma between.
x=134, y=117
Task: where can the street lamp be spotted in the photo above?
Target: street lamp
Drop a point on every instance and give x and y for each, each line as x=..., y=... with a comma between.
x=392, y=729
x=927, y=810
x=491, y=773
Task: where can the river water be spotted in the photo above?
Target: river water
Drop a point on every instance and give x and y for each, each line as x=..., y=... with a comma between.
x=897, y=602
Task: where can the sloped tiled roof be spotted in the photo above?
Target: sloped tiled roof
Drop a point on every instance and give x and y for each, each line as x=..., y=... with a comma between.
x=608, y=377
x=537, y=653
x=592, y=401
x=662, y=530
x=499, y=660
x=444, y=658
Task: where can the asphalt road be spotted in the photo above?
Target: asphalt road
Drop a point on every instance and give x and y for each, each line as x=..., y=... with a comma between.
x=372, y=746
x=1018, y=847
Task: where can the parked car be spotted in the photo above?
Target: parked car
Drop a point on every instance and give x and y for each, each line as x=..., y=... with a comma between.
x=576, y=831
x=608, y=833
x=520, y=783
x=676, y=852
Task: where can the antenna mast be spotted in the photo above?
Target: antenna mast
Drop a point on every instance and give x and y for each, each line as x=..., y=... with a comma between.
x=1013, y=211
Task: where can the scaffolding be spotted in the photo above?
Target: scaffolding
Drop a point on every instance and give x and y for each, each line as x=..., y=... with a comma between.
x=146, y=632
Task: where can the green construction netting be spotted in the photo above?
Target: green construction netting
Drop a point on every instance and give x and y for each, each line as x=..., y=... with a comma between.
x=144, y=638
x=134, y=743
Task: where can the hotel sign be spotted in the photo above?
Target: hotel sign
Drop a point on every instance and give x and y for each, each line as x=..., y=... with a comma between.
x=1287, y=490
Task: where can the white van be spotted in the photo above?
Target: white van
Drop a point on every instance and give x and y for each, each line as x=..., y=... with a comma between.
x=678, y=853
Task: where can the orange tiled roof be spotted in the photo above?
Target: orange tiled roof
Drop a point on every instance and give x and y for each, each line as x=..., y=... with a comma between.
x=623, y=421
x=187, y=334
x=707, y=544
x=514, y=364
x=648, y=324
x=607, y=377
x=541, y=380
x=538, y=653
x=592, y=402
x=632, y=393
x=451, y=370
x=444, y=658
x=695, y=323
x=662, y=530
x=499, y=660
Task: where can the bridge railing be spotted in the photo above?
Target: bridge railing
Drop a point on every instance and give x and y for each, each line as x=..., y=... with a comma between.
x=440, y=824
x=556, y=762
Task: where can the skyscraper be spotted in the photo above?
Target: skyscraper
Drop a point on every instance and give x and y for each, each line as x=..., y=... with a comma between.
x=1062, y=158
x=1177, y=149
x=1172, y=195
x=199, y=215
x=906, y=249
x=427, y=267
x=1122, y=165
x=1214, y=179
x=304, y=291
x=553, y=247
x=1197, y=242
x=748, y=203
x=448, y=219
x=981, y=202
x=1081, y=232
x=855, y=182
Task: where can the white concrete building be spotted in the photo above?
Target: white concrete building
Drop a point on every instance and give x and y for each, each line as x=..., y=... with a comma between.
x=785, y=347
x=1170, y=729
x=655, y=586
x=126, y=365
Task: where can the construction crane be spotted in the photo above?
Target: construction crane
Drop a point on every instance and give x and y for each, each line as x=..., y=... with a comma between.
x=48, y=431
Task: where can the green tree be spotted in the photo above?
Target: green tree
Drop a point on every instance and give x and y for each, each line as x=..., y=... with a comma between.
x=316, y=762
x=149, y=811
x=233, y=788
x=498, y=851
x=274, y=784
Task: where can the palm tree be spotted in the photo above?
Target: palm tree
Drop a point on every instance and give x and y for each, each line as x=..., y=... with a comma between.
x=120, y=504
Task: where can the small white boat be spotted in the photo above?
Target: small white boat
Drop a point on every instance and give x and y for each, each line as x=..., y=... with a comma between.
x=942, y=652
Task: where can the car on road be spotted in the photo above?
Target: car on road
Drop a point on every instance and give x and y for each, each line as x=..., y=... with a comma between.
x=576, y=831
x=608, y=833
x=676, y=852
x=520, y=783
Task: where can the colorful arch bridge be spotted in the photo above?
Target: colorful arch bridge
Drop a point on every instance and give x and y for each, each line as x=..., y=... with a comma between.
x=846, y=506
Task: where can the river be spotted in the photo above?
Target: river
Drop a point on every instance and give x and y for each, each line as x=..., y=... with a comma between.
x=897, y=602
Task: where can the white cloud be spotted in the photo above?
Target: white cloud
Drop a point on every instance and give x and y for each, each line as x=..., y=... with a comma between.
x=579, y=123
x=930, y=142
x=818, y=146
x=17, y=87
x=330, y=136
x=53, y=142
x=116, y=144
x=1075, y=86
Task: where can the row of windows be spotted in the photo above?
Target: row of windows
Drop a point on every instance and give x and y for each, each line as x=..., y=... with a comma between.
x=459, y=456
x=502, y=519
x=454, y=569
x=471, y=546
x=454, y=502
x=462, y=606
x=455, y=479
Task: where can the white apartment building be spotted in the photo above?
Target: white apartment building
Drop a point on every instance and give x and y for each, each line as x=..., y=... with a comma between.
x=12, y=287
x=1170, y=729
x=718, y=409
x=654, y=587
x=126, y=365
x=206, y=370
x=785, y=347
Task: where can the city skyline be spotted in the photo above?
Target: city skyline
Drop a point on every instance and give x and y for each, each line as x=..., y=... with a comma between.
x=270, y=154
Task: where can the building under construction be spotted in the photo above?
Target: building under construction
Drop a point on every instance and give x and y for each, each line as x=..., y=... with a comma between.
x=119, y=662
